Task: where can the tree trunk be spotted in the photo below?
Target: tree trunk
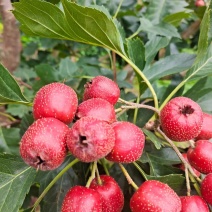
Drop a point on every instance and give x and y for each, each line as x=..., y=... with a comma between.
x=10, y=46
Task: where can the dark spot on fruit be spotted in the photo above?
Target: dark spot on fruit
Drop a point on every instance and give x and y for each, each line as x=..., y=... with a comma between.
x=187, y=109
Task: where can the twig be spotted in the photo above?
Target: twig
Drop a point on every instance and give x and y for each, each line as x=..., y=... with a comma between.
x=132, y=105
x=129, y=179
x=187, y=181
x=186, y=164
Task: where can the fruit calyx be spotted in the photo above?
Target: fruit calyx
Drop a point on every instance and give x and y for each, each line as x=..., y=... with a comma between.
x=187, y=110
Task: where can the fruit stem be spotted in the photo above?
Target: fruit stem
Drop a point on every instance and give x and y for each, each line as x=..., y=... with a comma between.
x=186, y=164
x=195, y=184
x=187, y=181
x=104, y=166
x=140, y=170
x=129, y=179
x=92, y=174
x=99, y=181
x=132, y=105
x=140, y=73
x=59, y=175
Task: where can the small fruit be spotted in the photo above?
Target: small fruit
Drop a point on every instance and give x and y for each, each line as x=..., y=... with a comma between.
x=193, y=204
x=111, y=194
x=43, y=145
x=102, y=87
x=206, y=188
x=153, y=195
x=97, y=108
x=90, y=139
x=199, y=3
x=206, y=131
x=82, y=199
x=181, y=119
x=200, y=156
x=129, y=143
x=55, y=100
x=181, y=166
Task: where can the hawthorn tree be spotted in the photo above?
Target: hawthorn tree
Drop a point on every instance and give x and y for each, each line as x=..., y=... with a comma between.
x=153, y=50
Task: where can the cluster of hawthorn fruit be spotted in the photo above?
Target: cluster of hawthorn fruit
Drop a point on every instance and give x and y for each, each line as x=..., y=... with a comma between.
x=90, y=131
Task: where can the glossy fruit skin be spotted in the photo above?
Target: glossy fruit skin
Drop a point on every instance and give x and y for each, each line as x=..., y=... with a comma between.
x=82, y=199
x=200, y=156
x=183, y=167
x=102, y=87
x=206, y=188
x=155, y=196
x=129, y=143
x=97, y=108
x=55, y=100
x=206, y=131
x=111, y=193
x=90, y=139
x=181, y=119
x=43, y=145
x=193, y=204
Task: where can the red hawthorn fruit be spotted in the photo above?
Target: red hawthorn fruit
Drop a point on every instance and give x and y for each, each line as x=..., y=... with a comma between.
x=181, y=119
x=129, y=143
x=102, y=87
x=97, y=108
x=153, y=195
x=193, y=204
x=206, y=188
x=206, y=131
x=200, y=156
x=82, y=199
x=43, y=145
x=90, y=139
x=199, y=3
x=181, y=166
x=111, y=194
x=55, y=100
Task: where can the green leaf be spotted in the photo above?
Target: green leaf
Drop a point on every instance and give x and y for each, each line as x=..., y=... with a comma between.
x=40, y=18
x=205, y=36
x=12, y=139
x=169, y=65
x=136, y=52
x=201, y=67
x=153, y=46
x=163, y=29
x=66, y=69
x=175, y=181
x=3, y=144
x=82, y=24
x=26, y=121
x=16, y=179
x=152, y=137
x=165, y=156
x=46, y=73
x=157, y=10
x=18, y=110
x=10, y=92
x=176, y=18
